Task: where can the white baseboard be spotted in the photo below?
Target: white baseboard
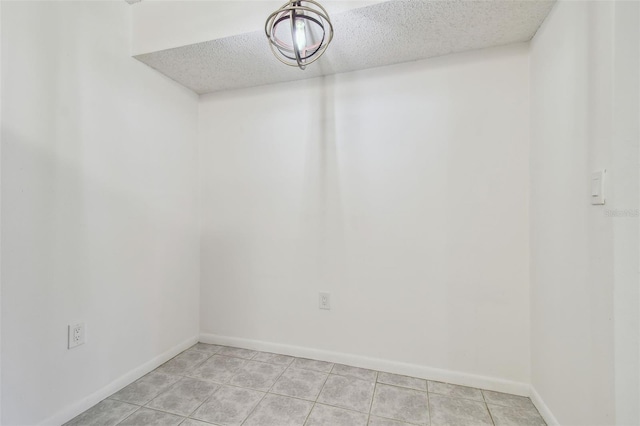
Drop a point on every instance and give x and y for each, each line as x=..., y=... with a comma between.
x=545, y=412
x=84, y=404
x=414, y=370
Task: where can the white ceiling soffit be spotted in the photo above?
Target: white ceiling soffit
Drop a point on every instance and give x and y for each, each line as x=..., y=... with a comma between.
x=381, y=34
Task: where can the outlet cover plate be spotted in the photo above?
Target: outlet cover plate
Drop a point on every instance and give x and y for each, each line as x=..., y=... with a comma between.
x=325, y=301
x=76, y=335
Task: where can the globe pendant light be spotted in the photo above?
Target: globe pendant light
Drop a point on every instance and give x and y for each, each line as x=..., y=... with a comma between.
x=299, y=32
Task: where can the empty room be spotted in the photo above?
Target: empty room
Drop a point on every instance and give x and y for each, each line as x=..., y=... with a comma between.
x=320, y=213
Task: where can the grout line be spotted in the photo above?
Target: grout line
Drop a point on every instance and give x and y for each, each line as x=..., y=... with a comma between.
x=311, y=369
x=270, y=391
x=428, y=405
x=323, y=385
x=128, y=416
x=265, y=394
x=205, y=401
x=299, y=399
x=402, y=421
x=487, y=406
x=375, y=387
x=254, y=409
x=319, y=393
x=401, y=387
x=278, y=378
x=309, y=414
x=373, y=394
x=490, y=415
x=455, y=397
x=201, y=421
x=163, y=411
x=115, y=399
x=162, y=393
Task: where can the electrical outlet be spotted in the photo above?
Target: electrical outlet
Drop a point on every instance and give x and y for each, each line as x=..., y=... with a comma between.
x=325, y=301
x=76, y=335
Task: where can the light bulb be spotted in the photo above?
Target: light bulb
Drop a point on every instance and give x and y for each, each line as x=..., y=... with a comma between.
x=299, y=32
x=301, y=37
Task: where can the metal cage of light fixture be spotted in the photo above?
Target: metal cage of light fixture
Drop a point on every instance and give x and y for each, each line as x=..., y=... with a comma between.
x=303, y=16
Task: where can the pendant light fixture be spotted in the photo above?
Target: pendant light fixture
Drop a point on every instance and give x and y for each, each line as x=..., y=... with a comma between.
x=299, y=32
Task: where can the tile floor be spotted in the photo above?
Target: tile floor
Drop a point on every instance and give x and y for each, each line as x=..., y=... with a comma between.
x=216, y=385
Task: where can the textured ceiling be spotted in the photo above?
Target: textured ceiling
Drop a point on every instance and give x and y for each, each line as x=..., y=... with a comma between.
x=373, y=36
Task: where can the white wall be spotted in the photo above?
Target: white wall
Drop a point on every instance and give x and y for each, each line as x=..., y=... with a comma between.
x=402, y=191
x=625, y=189
x=99, y=212
x=0, y=211
x=584, y=259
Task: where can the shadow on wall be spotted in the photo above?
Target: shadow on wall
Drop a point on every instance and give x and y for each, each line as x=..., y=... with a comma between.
x=322, y=230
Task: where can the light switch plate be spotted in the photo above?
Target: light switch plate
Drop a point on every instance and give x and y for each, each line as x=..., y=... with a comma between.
x=597, y=187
